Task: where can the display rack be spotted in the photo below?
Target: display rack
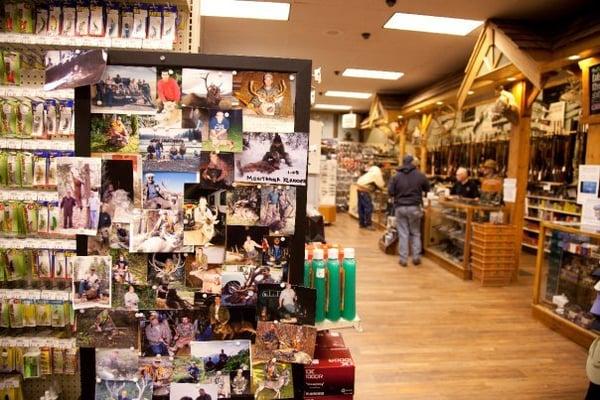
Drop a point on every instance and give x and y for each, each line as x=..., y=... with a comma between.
x=447, y=234
x=564, y=267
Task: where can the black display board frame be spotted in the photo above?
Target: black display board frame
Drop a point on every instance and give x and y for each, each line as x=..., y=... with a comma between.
x=303, y=71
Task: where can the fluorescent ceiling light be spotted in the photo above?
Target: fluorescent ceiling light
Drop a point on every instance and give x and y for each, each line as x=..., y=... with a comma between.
x=245, y=9
x=574, y=57
x=371, y=74
x=431, y=24
x=348, y=95
x=337, y=107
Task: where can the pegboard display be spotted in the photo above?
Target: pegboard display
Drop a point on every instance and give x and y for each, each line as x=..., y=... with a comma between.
x=68, y=387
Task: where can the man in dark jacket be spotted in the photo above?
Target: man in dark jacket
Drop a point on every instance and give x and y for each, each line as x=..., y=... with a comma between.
x=407, y=188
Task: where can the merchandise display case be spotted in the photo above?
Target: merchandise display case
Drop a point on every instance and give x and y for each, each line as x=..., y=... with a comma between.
x=448, y=232
x=565, y=297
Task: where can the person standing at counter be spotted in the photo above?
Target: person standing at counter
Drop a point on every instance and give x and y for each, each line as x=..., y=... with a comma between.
x=464, y=185
x=407, y=188
x=365, y=185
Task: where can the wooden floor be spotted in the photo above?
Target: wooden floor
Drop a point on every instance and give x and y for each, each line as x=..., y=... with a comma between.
x=429, y=335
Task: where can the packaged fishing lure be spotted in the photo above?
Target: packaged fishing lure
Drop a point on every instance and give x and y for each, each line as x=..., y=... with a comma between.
x=51, y=118
x=140, y=21
x=12, y=67
x=9, y=119
x=29, y=308
x=59, y=265
x=15, y=313
x=18, y=218
x=24, y=118
x=44, y=264
x=169, y=21
x=28, y=160
x=126, y=21
x=43, y=311
x=71, y=360
x=37, y=124
x=54, y=18
x=51, y=168
x=112, y=21
x=70, y=256
x=69, y=19
x=58, y=360
x=3, y=168
x=58, y=312
x=83, y=18
x=45, y=359
x=2, y=266
x=42, y=218
x=96, y=19
x=25, y=17
x=10, y=16
x=65, y=125
x=4, y=309
x=154, y=22
x=31, y=364
x=14, y=170
x=53, y=218
x=41, y=19
x=4, y=206
x=40, y=164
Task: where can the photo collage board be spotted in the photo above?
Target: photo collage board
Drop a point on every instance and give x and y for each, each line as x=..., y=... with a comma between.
x=193, y=184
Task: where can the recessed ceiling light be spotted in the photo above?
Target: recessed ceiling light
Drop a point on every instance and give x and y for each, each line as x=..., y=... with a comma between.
x=400, y=116
x=512, y=79
x=245, y=9
x=418, y=110
x=349, y=95
x=371, y=74
x=432, y=24
x=336, y=107
x=470, y=92
x=574, y=57
x=439, y=103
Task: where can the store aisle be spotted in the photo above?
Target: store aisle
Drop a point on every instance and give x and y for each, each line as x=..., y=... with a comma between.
x=428, y=335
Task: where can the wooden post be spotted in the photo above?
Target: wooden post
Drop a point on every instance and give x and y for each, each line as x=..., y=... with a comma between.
x=518, y=163
x=424, y=128
x=402, y=140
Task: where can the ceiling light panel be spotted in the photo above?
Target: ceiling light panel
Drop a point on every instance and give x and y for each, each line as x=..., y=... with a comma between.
x=371, y=74
x=245, y=9
x=336, y=107
x=432, y=24
x=348, y=95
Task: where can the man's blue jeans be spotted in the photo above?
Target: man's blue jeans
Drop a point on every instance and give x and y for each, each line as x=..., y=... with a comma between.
x=408, y=222
x=365, y=209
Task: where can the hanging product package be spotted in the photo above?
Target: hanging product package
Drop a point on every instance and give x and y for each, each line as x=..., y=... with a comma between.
x=112, y=20
x=9, y=119
x=154, y=22
x=69, y=20
x=40, y=164
x=83, y=19
x=24, y=17
x=126, y=21
x=3, y=168
x=41, y=19
x=16, y=310
x=44, y=264
x=27, y=163
x=12, y=68
x=37, y=110
x=24, y=123
x=51, y=118
x=43, y=312
x=10, y=16
x=169, y=21
x=29, y=308
x=51, y=168
x=4, y=309
x=15, y=177
x=65, y=125
x=96, y=19
x=42, y=230
x=31, y=364
x=54, y=19
x=140, y=21
x=19, y=219
x=53, y=218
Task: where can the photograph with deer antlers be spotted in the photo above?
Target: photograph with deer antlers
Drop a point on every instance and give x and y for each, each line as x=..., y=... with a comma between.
x=78, y=184
x=107, y=328
x=278, y=209
x=285, y=342
x=116, y=364
x=126, y=90
x=243, y=205
x=272, y=380
x=201, y=274
x=140, y=389
x=156, y=231
x=207, y=88
x=116, y=133
x=164, y=190
x=92, y=284
x=204, y=216
x=270, y=157
x=224, y=131
x=160, y=371
x=245, y=244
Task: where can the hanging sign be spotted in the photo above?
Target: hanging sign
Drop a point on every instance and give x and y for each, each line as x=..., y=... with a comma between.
x=594, y=95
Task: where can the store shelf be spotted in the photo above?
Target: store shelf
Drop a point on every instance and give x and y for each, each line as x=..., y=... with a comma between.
x=33, y=91
x=555, y=210
x=340, y=324
x=576, y=333
x=531, y=230
x=453, y=218
x=38, y=243
x=532, y=218
x=551, y=198
x=29, y=41
x=530, y=246
x=445, y=262
x=37, y=144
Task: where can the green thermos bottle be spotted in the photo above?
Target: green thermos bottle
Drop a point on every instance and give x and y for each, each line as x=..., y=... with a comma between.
x=320, y=283
x=349, y=289
x=333, y=285
x=308, y=272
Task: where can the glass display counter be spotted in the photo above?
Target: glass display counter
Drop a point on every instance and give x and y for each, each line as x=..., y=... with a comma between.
x=566, y=284
x=447, y=234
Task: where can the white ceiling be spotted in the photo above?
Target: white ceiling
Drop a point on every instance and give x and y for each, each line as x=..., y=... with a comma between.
x=328, y=32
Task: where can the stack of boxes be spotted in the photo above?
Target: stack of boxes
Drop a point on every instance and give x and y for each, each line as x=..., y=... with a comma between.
x=330, y=376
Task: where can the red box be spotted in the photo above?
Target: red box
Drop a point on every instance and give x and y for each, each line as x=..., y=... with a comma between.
x=330, y=340
x=330, y=374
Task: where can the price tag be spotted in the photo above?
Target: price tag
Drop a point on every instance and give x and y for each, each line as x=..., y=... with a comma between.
x=13, y=144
